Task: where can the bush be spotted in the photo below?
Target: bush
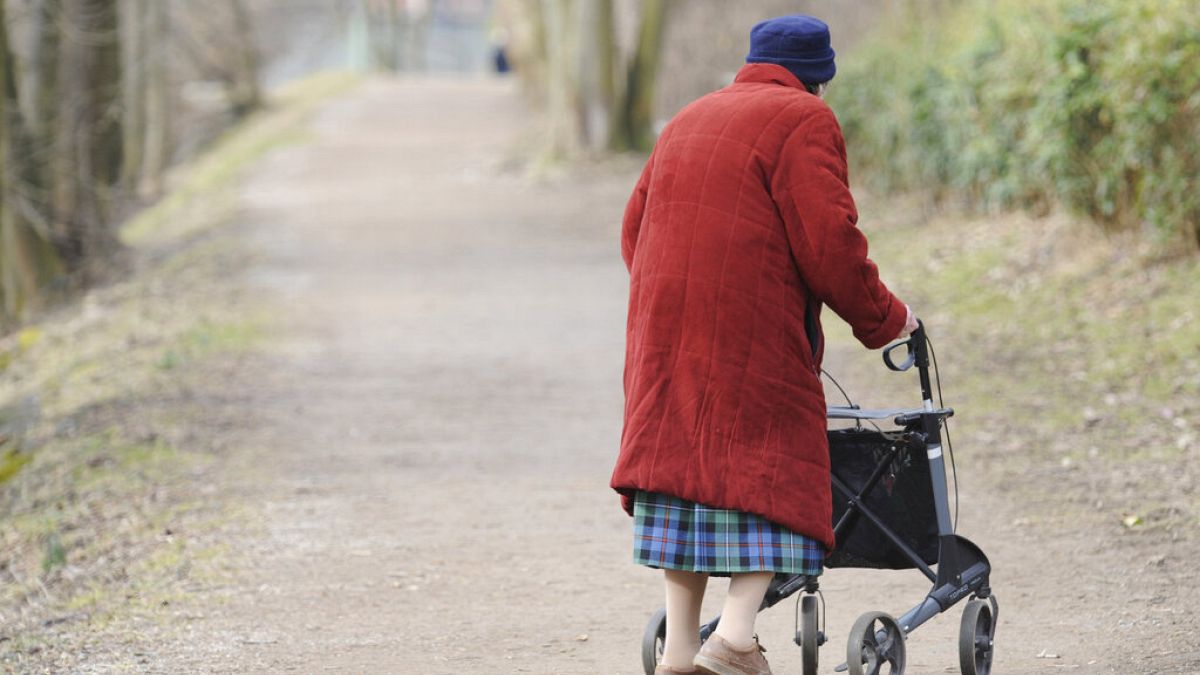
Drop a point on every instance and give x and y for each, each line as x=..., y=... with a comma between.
x=1093, y=104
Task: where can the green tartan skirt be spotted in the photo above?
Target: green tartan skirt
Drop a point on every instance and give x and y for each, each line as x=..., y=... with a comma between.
x=673, y=533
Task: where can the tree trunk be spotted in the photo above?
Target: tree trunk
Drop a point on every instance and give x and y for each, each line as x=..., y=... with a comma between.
x=135, y=63
x=27, y=258
x=41, y=100
x=379, y=36
x=416, y=36
x=561, y=44
x=246, y=96
x=88, y=160
x=597, y=63
x=531, y=54
x=605, y=33
x=157, y=144
x=41, y=96
x=635, y=116
x=34, y=136
x=103, y=83
x=393, y=36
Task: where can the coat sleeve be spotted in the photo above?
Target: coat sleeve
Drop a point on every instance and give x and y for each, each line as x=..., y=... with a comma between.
x=811, y=188
x=631, y=224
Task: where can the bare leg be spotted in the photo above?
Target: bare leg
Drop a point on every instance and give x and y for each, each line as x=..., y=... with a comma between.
x=746, y=593
x=685, y=591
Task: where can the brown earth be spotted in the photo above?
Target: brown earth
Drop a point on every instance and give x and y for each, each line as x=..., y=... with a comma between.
x=419, y=455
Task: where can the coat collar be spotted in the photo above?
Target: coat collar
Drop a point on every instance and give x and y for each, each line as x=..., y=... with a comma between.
x=768, y=73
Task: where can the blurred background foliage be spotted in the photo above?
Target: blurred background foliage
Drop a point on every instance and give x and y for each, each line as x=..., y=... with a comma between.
x=103, y=98
x=1089, y=104
x=607, y=74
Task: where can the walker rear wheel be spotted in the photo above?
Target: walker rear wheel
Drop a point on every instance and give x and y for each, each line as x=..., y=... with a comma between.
x=809, y=637
x=975, y=638
x=653, y=641
x=876, y=646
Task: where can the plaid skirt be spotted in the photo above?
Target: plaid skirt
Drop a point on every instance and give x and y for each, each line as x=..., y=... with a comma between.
x=672, y=533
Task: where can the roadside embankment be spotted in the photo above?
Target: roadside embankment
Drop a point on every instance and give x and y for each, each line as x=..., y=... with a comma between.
x=113, y=415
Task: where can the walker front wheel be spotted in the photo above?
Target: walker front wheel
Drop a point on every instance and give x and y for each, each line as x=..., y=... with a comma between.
x=809, y=636
x=653, y=641
x=876, y=646
x=975, y=638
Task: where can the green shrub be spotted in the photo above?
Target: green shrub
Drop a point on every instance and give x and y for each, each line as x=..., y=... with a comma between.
x=1092, y=104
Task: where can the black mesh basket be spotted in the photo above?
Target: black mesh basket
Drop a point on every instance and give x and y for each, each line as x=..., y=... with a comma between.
x=903, y=499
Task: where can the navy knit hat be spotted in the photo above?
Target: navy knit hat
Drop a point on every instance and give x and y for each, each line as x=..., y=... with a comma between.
x=799, y=43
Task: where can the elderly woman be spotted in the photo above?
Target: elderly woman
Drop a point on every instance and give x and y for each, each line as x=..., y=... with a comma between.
x=740, y=229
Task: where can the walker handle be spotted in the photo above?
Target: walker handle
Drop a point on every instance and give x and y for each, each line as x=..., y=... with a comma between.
x=918, y=355
x=908, y=361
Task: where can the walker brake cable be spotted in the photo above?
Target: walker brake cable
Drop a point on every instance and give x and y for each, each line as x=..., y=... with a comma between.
x=839, y=387
x=857, y=423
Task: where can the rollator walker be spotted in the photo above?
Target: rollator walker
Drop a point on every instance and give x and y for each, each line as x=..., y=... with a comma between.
x=891, y=510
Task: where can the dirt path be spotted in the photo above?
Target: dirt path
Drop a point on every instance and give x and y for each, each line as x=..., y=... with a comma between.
x=436, y=429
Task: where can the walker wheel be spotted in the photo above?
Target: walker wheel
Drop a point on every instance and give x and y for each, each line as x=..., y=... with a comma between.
x=876, y=641
x=809, y=640
x=653, y=641
x=975, y=638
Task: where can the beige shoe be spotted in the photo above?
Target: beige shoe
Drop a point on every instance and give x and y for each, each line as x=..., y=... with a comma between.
x=667, y=670
x=718, y=657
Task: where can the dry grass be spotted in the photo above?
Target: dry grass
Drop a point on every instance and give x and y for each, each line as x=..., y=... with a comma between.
x=116, y=415
x=1065, y=348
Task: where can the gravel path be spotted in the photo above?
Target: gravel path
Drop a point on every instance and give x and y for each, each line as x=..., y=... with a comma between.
x=436, y=429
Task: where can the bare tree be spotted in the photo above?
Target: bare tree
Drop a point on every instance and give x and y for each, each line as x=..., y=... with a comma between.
x=568, y=54
x=88, y=161
x=633, y=128
x=41, y=95
x=27, y=258
x=417, y=22
x=93, y=108
x=396, y=32
x=527, y=39
x=40, y=103
x=220, y=46
x=156, y=144
x=246, y=93
x=561, y=43
x=135, y=63
x=391, y=41
x=597, y=71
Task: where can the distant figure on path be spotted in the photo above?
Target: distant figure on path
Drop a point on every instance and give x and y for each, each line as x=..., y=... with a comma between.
x=740, y=229
x=499, y=42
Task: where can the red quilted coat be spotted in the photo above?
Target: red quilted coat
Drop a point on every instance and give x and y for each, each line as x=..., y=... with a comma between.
x=740, y=228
